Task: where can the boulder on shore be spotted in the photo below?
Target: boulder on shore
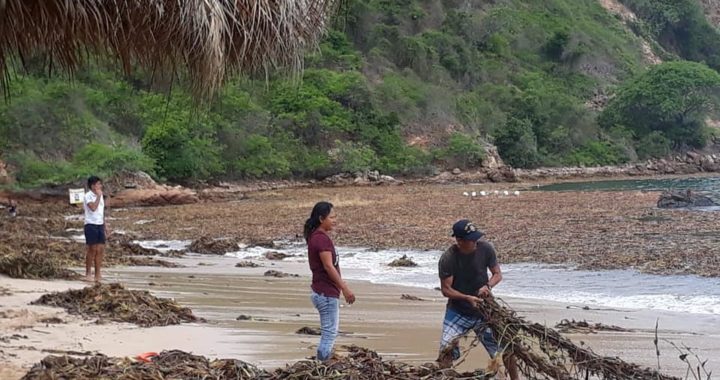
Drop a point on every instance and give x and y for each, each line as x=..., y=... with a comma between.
x=681, y=199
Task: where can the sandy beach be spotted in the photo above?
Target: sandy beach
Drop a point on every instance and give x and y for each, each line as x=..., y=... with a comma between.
x=591, y=235
x=380, y=320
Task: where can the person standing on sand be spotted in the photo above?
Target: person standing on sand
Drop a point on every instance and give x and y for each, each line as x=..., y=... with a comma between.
x=13, y=208
x=463, y=270
x=327, y=284
x=95, y=227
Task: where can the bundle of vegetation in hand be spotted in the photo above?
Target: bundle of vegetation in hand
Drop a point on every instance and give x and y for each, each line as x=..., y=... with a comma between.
x=167, y=365
x=34, y=264
x=114, y=302
x=542, y=353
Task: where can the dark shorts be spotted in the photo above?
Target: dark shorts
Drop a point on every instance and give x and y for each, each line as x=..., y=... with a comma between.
x=94, y=234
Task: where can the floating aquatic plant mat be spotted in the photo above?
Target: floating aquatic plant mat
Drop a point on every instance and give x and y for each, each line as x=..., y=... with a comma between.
x=542, y=353
x=358, y=364
x=114, y=302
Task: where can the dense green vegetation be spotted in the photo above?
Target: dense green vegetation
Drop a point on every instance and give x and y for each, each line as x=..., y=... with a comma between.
x=401, y=86
x=666, y=105
x=680, y=27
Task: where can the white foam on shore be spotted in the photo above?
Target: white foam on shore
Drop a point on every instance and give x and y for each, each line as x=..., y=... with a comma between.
x=623, y=289
x=164, y=245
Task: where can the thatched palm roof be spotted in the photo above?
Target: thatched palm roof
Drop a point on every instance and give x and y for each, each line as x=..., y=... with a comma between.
x=207, y=38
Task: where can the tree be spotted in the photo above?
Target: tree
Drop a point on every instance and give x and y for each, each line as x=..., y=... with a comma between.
x=673, y=98
x=517, y=143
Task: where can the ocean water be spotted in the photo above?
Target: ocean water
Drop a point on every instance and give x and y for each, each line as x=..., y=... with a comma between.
x=622, y=289
x=709, y=186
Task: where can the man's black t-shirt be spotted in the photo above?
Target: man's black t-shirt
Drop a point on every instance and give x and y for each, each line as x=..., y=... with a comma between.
x=469, y=271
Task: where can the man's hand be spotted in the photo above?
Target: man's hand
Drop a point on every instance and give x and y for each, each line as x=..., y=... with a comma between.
x=99, y=193
x=349, y=295
x=473, y=300
x=484, y=292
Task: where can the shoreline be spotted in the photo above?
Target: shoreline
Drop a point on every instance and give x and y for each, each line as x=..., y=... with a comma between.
x=398, y=329
x=236, y=190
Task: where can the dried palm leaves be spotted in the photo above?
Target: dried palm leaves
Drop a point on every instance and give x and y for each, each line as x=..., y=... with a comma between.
x=209, y=38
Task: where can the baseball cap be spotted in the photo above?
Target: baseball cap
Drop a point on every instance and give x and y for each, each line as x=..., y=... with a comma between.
x=466, y=230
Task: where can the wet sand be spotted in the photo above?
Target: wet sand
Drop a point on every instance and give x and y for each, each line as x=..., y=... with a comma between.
x=380, y=320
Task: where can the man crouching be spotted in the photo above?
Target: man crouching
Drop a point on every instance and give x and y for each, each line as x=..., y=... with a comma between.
x=463, y=270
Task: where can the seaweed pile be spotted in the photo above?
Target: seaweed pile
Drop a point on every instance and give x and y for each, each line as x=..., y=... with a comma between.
x=114, y=302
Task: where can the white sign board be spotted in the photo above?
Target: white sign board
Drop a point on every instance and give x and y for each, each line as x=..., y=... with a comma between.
x=76, y=196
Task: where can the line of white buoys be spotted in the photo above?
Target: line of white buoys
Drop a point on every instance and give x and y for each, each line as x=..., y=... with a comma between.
x=484, y=193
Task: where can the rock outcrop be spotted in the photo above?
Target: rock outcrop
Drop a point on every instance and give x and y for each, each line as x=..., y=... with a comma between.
x=683, y=199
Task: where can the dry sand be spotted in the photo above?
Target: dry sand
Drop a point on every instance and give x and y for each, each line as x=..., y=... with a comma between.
x=380, y=320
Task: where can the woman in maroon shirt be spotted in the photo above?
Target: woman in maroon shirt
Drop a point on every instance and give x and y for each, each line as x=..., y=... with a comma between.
x=326, y=281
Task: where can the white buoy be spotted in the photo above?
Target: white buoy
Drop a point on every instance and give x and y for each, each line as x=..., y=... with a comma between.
x=483, y=193
x=516, y=193
x=497, y=192
x=506, y=193
x=474, y=194
x=466, y=194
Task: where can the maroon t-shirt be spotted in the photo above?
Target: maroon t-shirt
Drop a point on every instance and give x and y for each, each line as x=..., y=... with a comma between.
x=321, y=282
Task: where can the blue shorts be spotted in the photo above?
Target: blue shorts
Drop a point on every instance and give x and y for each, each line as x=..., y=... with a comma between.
x=94, y=234
x=457, y=325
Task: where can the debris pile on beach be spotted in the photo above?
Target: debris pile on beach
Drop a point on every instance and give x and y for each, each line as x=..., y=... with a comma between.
x=24, y=256
x=542, y=353
x=364, y=364
x=584, y=327
x=167, y=365
x=276, y=255
x=209, y=246
x=275, y=273
x=404, y=261
x=359, y=364
x=135, y=249
x=34, y=264
x=114, y=302
x=246, y=264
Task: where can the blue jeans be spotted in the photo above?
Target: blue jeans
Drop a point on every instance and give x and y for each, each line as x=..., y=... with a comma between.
x=329, y=309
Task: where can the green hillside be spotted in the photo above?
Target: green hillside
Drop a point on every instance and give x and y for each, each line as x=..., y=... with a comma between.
x=402, y=86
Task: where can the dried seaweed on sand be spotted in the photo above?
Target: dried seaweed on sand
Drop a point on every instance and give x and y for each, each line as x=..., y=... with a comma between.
x=114, y=302
x=358, y=364
x=34, y=265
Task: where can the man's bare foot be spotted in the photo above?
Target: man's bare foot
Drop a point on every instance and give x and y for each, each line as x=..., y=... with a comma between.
x=88, y=278
x=98, y=280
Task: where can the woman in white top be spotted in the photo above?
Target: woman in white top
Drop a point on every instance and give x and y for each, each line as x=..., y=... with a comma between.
x=95, y=228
